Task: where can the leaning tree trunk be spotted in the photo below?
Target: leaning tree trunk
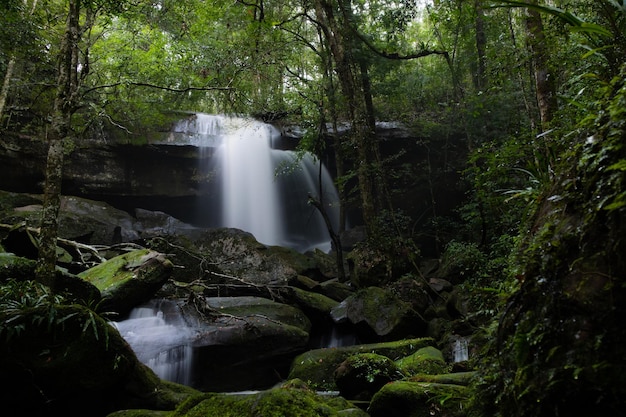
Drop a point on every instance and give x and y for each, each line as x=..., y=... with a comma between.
x=64, y=107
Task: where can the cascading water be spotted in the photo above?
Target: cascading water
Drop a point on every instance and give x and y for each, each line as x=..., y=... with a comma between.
x=160, y=339
x=262, y=190
x=460, y=350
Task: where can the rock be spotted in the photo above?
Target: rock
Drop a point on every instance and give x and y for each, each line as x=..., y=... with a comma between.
x=317, y=366
x=316, y=306
x=416, y=293
x=71, y=286
x=336, y=290
x=69, y=361
x=239, y=254
x=291, y=398
x=440, y=284
x=128, y=280
x=427, y=360
x=406, y=398
x=456, y=378
x=380, y=314
x=360, y=376
x=246, y=342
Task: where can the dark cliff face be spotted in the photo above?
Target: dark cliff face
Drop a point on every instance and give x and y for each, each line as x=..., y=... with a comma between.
x=165, y=175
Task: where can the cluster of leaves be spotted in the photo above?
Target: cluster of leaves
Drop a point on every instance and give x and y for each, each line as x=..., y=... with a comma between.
x=558, y=341
x=25, y=305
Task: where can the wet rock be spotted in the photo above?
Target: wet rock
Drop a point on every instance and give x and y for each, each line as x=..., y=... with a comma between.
x=360, y=376
x=73, y=363
x=292, y=398
x=427, y=360
x=317, y=366
x=380, y=314
x=406, y=398
x=128, y=280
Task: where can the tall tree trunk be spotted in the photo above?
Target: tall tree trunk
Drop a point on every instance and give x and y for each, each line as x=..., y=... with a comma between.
x=544, y=79
x=6, y=85
x=64, y=107
x=337, y=31
x=481, y=46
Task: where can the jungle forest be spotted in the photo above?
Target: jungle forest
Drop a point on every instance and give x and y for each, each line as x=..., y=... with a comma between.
x=475, y=258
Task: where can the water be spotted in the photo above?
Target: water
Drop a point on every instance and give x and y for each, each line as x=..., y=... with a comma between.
x=460, y=350
x=160, y=339
x=254, y=187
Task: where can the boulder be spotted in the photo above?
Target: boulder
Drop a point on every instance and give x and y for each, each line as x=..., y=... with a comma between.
x=291, y=398
x=380, y=314
x=243, y=342
x=427, y=360
x=336, y=290
x=360, y=376
x=406, y=398
x=66, y=360
x=128, y=280
x=317, y=366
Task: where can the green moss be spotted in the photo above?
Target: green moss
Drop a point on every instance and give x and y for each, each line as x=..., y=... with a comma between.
x=427, y=360
x=12, y=266
x=457, y=378
x=114, y=271
x=290, y=399
x=417, y=399
x=317, y=366
x=139, y=413
x=361, y=375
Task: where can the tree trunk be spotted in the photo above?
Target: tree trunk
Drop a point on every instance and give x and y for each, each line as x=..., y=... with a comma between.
x=481, y=46
x=337, y=31
x=6, y=85
x=64, y=107
x=544, y=79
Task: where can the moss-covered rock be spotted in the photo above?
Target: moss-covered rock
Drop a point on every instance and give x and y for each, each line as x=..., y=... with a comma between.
x=130, y=279
x=380, y=313
x=16, y=267
x=66, y=360
x=456, y=378
x=427, y=360
x=419, y=399
x=289, y=399
x=316, y=367
x=362, y=375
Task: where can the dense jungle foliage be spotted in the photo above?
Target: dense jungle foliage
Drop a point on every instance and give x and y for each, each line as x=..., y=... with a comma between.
x=532, y=92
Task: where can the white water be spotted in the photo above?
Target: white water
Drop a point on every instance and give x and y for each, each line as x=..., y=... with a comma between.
x=261, y=190
x=160, y=339
x=460, y=350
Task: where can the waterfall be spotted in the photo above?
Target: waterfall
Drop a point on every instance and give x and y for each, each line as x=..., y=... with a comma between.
x=260, y=189
x=160, y=339
x=460, y=350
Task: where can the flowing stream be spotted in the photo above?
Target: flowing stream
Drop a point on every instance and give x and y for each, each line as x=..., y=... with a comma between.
x=161, y=339
x=255, y=187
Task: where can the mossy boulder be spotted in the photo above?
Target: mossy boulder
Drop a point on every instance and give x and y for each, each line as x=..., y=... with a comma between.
x=316, y=306
x=66, y=360
x=456, y=378
x=418, y=399
x=360, y=376
x=317, y=367
x=290, y=399
x=16, y=267
x=427, y=360
x=380, y=314
x=129, y=279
